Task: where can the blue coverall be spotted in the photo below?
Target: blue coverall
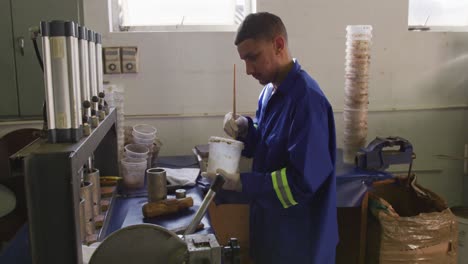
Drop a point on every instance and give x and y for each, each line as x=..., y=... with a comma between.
x=291, y=188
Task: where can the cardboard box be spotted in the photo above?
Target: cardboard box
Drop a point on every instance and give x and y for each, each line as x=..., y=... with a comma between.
x=409, y=224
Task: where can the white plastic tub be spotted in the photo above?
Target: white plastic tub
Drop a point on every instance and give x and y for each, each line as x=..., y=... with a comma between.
x=133, y=172
x=144, y=131
x=359, y=30
x=224, y=153
x=136, y=151
x=139, y=140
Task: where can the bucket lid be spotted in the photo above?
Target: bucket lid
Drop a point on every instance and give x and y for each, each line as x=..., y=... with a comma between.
x=227, y=141
x=145, y=129
x=136, y=148
x=133, y=162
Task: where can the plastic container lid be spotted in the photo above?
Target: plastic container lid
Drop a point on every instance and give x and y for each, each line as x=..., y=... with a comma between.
x=146, y=139
x=134, y=162
x=135, y=150
x=359, y=29
x=144, y=130
x=226, y=140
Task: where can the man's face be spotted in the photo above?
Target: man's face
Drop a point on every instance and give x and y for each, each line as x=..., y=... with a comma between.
x=260, y=59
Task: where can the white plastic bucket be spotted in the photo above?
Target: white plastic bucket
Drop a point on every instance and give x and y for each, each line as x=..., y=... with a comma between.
x=133, y=172
x=462, y=217
x=224, y=153
x=137, y=151
x=144, y=131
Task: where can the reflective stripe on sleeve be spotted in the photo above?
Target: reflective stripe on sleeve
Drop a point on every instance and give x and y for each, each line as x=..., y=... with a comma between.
x=281, y=186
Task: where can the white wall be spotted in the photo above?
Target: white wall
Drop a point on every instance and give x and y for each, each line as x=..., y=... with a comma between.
x=418, y=79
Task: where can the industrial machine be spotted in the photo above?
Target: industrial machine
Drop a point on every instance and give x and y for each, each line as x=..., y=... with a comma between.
x=71, y=53
x=383, y=152
x=74, y=105
x=148, y=244
x=73, y=77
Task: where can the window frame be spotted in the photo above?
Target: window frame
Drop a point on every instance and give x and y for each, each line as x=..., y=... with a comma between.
x=117, y=20
x=435, y=28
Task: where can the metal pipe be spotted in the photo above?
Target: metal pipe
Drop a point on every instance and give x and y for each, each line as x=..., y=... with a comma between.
x=92, y=176
x=86, y=194
x=92, y=64
x=84, y=69
x=90, y=163
x=49, y=91
x=217, y=184
x=99, y=69
x=156, y=184
x=60, y=80
x=73, y=81
x=82, y=220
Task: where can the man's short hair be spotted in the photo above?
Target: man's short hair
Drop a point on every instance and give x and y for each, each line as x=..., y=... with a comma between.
x=262, y=25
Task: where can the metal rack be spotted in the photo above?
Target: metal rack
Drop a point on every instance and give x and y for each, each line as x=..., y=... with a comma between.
x=52, y=179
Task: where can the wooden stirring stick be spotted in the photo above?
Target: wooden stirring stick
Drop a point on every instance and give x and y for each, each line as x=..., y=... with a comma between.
x=234, y=94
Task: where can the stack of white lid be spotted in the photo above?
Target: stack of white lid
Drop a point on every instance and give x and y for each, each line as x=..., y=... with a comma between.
x=358, y=43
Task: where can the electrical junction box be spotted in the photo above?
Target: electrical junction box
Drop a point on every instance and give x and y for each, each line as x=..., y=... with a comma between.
x=129, y=59
x=111, y=56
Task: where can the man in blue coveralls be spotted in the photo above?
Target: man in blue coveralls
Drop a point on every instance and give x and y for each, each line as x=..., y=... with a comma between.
x=291, y=188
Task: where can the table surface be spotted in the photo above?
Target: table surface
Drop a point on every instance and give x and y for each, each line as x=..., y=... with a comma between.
x=352, y=184
x=126, y=209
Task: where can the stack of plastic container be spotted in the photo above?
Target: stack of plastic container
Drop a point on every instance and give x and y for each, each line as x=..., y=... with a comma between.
x=145, y=135
x=358, y=43
x=134, y=165
x=115, y=99
x=133, y=172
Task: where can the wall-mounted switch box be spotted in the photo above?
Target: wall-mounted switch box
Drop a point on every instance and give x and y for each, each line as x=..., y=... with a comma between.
x=111, y=56
x=129, y=59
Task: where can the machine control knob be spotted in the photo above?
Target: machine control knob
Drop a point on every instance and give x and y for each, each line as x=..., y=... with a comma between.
x=86, y=104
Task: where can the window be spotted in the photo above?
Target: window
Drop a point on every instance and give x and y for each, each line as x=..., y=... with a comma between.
x=438, y=15
x=180, y=15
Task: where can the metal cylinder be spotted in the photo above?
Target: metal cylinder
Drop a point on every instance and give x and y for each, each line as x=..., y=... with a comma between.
x=74, y=81
x=92, y=64
x=94, y=121
x=87, y=196
x=180, y=193
x=99, y=69
x=92, y=176
x=84, y=68
x=157, y=184
x=48, y=84
x=58, y=68
x=82, y=220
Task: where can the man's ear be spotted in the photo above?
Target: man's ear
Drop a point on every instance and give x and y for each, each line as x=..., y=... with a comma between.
x=279, y=43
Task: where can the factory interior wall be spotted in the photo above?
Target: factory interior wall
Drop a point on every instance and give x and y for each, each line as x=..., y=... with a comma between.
x=418, y=86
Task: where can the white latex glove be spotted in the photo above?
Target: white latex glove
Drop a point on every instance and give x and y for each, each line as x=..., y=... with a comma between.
x=233, y=182
x=235, y=127
x=209, y=175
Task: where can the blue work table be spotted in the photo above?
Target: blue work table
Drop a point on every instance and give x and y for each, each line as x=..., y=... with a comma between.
x=125, y=210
